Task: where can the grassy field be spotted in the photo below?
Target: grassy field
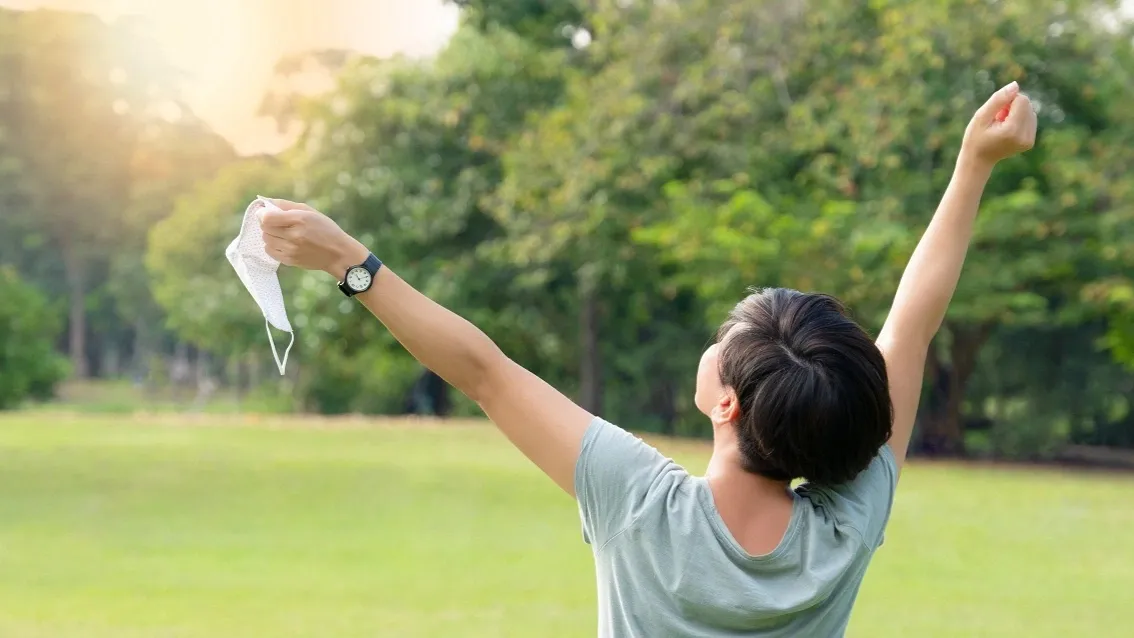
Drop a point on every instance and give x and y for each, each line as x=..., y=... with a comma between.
x=218, y=526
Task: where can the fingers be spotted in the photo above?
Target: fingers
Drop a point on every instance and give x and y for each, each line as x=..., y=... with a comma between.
x=285, y=233
x=280, y=248
x=1021, y=110
x=284, y=204
x=1021, y=121
x=282, y=228
x=274, y=220
x=998, y=101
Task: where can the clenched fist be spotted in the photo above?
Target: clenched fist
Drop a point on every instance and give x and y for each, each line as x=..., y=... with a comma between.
x=1003, y=127
x=298, y=235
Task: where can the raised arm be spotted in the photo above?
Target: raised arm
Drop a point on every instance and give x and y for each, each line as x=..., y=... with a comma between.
x=1004, y=126
x=544, y=424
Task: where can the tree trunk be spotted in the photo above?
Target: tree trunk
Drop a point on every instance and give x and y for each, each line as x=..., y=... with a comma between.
x=180, y=369
x=439, y=389
x=111, y=365
x=663, y=397
x=429, y=395
x=206, y=384
x=255, y=371
x=77, y=315
x=944, y=432
x=590, y=360
x=141, y=355
x=203, y=368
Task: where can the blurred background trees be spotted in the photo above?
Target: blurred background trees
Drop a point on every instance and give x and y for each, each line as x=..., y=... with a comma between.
x=595, y=184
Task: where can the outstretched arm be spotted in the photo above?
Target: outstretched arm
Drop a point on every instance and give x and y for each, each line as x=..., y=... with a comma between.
x=544, y=424
x=935, y=267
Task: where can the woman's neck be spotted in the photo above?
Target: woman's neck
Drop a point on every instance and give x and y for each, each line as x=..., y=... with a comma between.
x=756, y=509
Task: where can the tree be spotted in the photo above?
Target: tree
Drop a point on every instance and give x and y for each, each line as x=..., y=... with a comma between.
x=204, y=301
x=549, y=25
x=171, y=157
x=403, y=153
x=589, y=175
x=74, y=94
x=817, y=159
x=29, y=366
x=597, y=202
x=1041, y=387
x=568, y=205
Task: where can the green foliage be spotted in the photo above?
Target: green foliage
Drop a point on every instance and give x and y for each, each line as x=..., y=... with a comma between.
x=61, y=103
x=836, y=157
x=548, y=24
x=403, y=153
x=68, y=133
x=595, y=184
x=29, y=365
x=1086, y=397
x=169, y=159
x=369, y=381
x=807, y=159
x=1117, y=296
x=204, y=302
x=598, y=209
x=94, y=146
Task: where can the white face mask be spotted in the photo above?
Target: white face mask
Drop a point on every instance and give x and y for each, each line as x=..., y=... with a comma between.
x=257, y=270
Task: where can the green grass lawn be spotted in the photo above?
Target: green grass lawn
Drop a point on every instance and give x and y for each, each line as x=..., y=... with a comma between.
x=152, y=526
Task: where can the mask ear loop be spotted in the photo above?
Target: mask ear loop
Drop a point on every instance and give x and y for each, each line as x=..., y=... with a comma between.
x=275, y=355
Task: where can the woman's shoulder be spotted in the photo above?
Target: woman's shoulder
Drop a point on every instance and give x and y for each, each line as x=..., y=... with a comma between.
x=861, y=505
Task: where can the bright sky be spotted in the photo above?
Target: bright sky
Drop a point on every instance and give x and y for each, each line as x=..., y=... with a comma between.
x=228, y=47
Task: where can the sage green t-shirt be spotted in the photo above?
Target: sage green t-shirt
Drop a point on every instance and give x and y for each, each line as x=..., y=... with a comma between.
x=668, y=566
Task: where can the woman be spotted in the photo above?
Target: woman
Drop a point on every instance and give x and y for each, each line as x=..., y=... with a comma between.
x=793, y=388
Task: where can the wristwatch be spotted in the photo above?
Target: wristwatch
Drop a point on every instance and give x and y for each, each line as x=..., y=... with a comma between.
x=358, y=279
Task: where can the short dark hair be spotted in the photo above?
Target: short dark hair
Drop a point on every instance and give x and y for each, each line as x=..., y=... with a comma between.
x=811, y=386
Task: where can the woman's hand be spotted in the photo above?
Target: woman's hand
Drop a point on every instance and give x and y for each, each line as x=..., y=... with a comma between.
x=298, y=235
x=1003, y=127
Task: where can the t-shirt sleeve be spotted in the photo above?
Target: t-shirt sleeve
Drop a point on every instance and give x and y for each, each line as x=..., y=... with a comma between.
x=864, y=502
x=616, y=476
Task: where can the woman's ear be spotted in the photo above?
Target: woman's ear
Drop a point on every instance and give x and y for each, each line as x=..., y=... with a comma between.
x=727, y=409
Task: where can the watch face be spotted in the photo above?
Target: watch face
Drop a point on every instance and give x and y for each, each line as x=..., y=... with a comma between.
x=358, y=279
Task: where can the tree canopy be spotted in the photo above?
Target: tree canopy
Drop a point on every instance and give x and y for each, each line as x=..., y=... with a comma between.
x=595, y=184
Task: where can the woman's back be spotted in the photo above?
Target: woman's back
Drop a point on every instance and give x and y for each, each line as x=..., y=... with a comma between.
x=667, y=564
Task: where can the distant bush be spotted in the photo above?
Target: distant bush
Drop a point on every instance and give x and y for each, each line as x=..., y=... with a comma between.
x=29, y=366
x=374, y=379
